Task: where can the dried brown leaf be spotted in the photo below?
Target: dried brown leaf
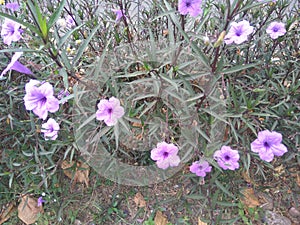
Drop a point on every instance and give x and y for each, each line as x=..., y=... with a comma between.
x=160, y=219
x=79, y=175
x=28, y=210
x=298, y=180
x=135, y=124
x=6, y=212
x=200, y=222
x=139, y=200
x=249, y=199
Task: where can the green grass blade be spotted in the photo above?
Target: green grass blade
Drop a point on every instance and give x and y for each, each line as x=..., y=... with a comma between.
x=84, y=45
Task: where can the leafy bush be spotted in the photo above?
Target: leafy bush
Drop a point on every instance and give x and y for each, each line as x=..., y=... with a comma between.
x=197, y=80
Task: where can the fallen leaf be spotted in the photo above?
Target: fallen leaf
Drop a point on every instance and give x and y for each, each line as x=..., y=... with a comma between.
x=139, y=200
x=136, y=124
x=6, y=212
x=298, y=179
x=165, y=32
x=28, y=210
x=249, y=199
x=160, y=219
x=279, y=170
x=200, y=222
x=79, y=175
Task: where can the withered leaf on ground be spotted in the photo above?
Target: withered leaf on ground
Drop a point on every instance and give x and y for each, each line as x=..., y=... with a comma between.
x=298, y=179
x=79, y=175
x=249, y=198
x=139, y=200
x=28, y=210
x=200, y=222
x=160, y=219
x=6, y=212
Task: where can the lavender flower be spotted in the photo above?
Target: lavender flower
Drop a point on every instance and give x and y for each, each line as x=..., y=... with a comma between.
x=193, y=7
x=109, y=111
x=276, y=29
x=63, y=94
x=227, y=158
x=268, y=144
x=165, y=155
x=39, y=98
x=40, y=201
x=13, y=6
x=200, y=168
x=16, y=65
x=50, y=129
x=70, y=21
x=119, y=14
x=11, y=31
x=238, y=32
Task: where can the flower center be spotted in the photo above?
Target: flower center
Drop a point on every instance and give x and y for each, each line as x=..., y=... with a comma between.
x=200, y=167
x=238, y=32
x=227, y=157
x=165, y=154
x=109, y=110
x=188, y=4
x=43, y=100
x=266, y=144
x=275, y=29
x=51, y=129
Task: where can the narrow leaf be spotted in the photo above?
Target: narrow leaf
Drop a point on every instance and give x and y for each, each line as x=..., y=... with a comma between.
x=55, y=16
x=235, y=69
x=84, y=45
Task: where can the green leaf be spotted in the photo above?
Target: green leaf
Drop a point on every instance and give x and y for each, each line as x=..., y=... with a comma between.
x=238, y=68
x=55, y=16
x=64, y=75
x=42, y=23
x=66, y=36
x=17, y=50
x=199, y=53
x=224, y=189
x=196, y=197
x=84, y=45
x=215, y=115
x=39, y=19
x=65, y=60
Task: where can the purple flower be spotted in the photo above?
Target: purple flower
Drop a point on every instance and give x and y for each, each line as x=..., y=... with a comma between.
x=109, y=111
x=119, y=14
x=40, y=201
x=11, y=31
x=165, y=155
x=200, y=168
x=276, y=29
x=63, y=94
x=268, y=144
x=39, y=98
x=227, y=158
x=50, y=129
x=193, y=7
x=16, y=65
x=238, y=32
x=13, y=6
x=70, y=21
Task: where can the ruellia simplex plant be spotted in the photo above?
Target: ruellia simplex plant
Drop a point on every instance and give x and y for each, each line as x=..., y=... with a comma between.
x=141, y=90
